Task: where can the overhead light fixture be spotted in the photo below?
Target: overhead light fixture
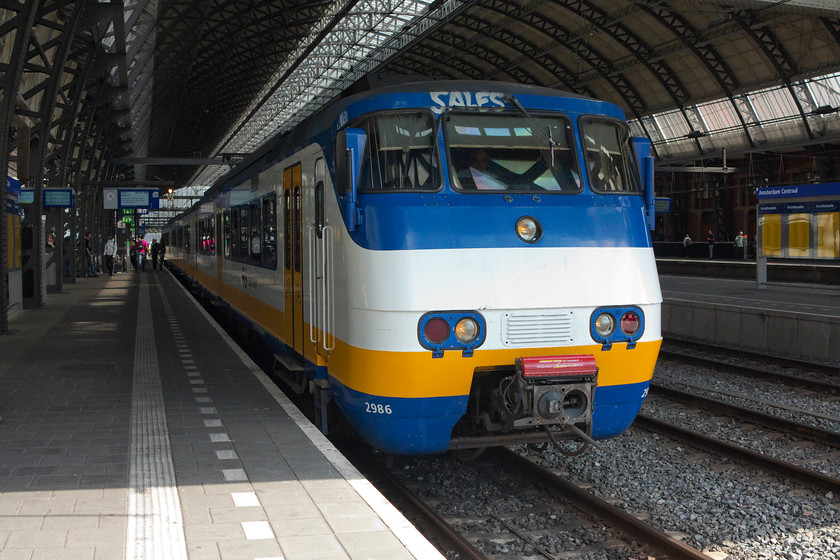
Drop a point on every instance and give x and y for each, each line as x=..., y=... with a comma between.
x=824, y=110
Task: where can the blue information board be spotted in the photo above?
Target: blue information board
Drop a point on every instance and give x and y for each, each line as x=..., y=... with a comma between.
x=50, y=198
x=58, y=198
x=139, y=198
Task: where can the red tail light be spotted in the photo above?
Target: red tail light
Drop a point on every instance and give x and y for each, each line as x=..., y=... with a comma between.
x=436, y=330
x=630, y=323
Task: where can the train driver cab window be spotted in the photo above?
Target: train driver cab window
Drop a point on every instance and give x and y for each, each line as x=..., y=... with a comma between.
x=609, y=157
x=400, y=153
x=511, y=152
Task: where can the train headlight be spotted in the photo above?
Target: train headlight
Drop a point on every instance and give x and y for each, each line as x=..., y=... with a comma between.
x=605, y=324
x=528, y=229
x=609, y=325
x=466, y=330
x=451, y=330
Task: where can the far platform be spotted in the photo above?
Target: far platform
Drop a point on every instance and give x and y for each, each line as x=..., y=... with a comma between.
x=792, y=319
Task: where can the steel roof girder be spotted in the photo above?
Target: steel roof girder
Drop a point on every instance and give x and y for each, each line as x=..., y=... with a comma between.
x=594, y=59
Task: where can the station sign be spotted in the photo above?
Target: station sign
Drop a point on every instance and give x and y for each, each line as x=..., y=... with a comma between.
x=13, y=186
x=663, y=205
x=114, y=199
x=811, y=190
x=800, y=207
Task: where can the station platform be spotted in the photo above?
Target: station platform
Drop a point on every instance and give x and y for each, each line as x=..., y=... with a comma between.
x=133, y=427
x=788, y=319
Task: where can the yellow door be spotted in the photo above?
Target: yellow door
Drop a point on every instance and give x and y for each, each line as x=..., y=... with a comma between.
x=293, y=257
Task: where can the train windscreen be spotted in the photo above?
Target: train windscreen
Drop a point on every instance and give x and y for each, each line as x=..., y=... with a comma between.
x=495, y=152
x=399, y=153
x=610, y=164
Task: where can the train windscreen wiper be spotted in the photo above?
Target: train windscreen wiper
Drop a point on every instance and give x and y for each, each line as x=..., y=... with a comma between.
x=551, y=143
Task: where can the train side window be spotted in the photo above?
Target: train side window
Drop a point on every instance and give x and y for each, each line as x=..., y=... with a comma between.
x=609, y=158
x=319, y=209
x=270, y=231
x=320, y=173
x=234, y=237
x=211, y=237
x=255, y=233
x=187, y=234
x=287, y=230
x=244, y=233
x=226, y=233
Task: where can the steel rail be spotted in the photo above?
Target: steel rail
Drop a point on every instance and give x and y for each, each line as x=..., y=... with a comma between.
x=595, y=506
x=740, y=453
x=767, y=420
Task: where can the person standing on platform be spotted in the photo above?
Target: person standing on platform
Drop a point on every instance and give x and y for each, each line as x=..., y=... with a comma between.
x=687, y=245
x=710, y=239
x=132, y=251
x=110, y=253
x=142, y=251
x=739, y=246
x=155, y=253
x=91, y=272
x=162, y=252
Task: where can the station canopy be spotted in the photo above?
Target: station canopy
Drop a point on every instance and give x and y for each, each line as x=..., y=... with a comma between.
x=209, y=81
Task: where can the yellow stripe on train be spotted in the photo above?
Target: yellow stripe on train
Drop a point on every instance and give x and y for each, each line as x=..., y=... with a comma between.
x=418, y=375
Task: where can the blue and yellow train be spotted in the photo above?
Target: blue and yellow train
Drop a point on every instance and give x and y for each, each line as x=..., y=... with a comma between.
x=454, y=264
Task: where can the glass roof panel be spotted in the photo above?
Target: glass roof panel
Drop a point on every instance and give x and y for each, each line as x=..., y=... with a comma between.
x=826, y=90
x=672, y=125
x=719, y=115
x=773, y=104
x=332, y=65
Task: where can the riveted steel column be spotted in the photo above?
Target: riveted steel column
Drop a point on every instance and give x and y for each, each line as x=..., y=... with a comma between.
x=18, y=26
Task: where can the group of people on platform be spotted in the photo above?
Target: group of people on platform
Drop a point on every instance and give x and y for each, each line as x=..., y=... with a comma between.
x=138, y=251
x=740, y=245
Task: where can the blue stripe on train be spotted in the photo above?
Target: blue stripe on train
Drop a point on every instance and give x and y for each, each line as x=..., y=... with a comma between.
x=398, y=221
x=419, y=426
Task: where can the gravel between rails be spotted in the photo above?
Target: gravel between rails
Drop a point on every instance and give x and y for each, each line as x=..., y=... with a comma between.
x=728, y=510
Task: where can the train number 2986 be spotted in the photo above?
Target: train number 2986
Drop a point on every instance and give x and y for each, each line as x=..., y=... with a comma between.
x=374, y=408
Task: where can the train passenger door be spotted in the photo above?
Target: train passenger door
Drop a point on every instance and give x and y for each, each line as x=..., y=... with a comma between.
x=293, y=258
x=319, y=247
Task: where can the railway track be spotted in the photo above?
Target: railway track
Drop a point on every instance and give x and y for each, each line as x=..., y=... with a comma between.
x=747, y=418
x=533, y=512
x=795, y=373
x=741, y=454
